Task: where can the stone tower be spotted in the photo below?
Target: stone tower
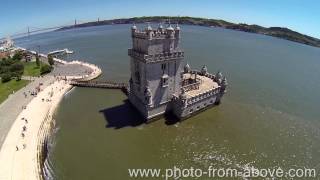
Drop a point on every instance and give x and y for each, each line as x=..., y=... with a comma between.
x=156, y=66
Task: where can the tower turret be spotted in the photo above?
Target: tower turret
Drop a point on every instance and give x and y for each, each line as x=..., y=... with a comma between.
x=204, y=70
x=218, y=78
x=149, y=28
x=170, y=31
x=187, y=68
x=148, y=96
x=133, y=28
x=160, y=28
x=224, y=85
x=177, y=31
x=149, y=31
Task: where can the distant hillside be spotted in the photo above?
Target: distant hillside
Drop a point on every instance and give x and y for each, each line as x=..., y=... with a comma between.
x=283, y=33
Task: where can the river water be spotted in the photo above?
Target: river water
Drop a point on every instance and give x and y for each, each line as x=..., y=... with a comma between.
x=269, y=118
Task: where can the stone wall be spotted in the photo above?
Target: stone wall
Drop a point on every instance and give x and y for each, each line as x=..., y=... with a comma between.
x=185, y=107
x=146, y=111
x=183, y=112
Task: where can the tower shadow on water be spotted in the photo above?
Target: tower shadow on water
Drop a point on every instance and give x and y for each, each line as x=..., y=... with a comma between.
x=125, y=115
x=121, y=116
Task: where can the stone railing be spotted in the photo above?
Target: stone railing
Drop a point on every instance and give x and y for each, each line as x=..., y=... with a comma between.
x=156, y=57
x=208, y=75
x=194, y=72
x=155, y=34
x=211, y=76
x=204, y=95
x=167, y=56
x=190, y=87
x=136, y=54
x=159, y=35
x=143, y=35
x=139, y=34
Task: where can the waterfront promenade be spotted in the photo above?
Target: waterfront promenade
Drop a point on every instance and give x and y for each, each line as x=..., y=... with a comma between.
x=12, y=107
x=25, y=119
x=19, y=153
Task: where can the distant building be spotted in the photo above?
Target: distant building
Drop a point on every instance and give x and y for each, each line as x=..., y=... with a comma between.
x=2, y=49
x=28, y=57
x=4, y=54
x=160, y=80
x=6, y=45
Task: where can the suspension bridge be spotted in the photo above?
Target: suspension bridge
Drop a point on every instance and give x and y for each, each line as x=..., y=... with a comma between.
x=35, y=30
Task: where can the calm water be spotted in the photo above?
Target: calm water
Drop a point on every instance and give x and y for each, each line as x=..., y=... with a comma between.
x=269, y=118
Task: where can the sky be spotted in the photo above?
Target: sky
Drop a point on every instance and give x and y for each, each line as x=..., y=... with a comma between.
x=299, y=15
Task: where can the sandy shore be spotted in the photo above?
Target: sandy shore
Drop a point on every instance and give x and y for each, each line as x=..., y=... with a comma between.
x=19, y=156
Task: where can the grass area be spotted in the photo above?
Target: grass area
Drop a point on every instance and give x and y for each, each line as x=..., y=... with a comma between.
x=31, y=69
x=7, y=88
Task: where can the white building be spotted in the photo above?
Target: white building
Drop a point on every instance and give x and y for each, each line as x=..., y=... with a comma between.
x=7, y=45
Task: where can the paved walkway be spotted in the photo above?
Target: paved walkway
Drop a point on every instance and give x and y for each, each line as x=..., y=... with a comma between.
x=12, y=107
x=71, y=70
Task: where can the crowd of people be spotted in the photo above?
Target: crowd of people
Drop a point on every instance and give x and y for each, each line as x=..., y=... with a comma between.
x=23, y=133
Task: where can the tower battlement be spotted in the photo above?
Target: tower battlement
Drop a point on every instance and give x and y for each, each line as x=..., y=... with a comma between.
x=159, y=33
x=155, y=41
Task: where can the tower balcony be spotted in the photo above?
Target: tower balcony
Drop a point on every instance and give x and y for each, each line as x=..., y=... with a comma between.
x=152, y=58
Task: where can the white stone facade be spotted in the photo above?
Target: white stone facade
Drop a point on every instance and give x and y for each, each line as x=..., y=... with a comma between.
x=158, y=84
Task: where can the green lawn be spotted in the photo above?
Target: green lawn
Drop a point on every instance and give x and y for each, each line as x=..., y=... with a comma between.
x=31, y=69
x=7, y=88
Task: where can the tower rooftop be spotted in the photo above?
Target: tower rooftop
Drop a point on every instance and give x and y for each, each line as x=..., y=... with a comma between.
x=204, y=84
x=156, y=33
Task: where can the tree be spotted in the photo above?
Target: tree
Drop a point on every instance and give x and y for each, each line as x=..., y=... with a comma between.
x=6, y=77
x=17, y=56
x=37, y=60
x=17, y=67
x=45, y=69
x=18, y=75
x=50, y=60
x=6, y=62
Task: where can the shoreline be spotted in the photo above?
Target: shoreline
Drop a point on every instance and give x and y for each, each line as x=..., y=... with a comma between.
x=19, y=155
x=277, y=32
x=45, y=131
x=23, y=150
